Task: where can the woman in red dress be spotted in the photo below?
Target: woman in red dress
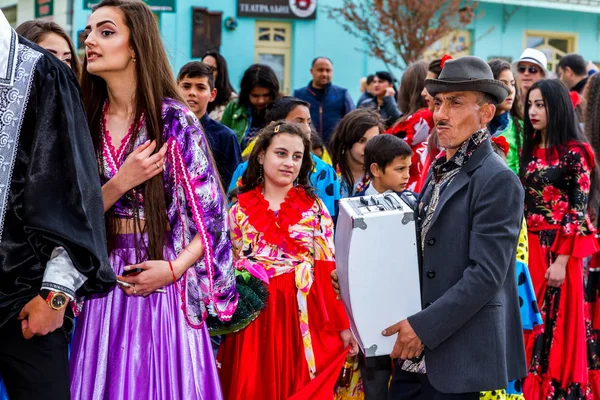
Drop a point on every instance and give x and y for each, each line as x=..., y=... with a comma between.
x=417, y=119
x=282, y=234
x=557, y=167
x=429, y=149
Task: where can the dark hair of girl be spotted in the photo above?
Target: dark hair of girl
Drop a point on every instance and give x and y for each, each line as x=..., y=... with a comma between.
x=561, y=128
x=592, y=127
x=435, y=67
x=222, y=83
x=36, y=31
x=413, y=81
x=154, y=82
x=280, y=108
x=258, y=75
x=592, y=112
x=253, y=175
x=516, y=113
x=349, y=131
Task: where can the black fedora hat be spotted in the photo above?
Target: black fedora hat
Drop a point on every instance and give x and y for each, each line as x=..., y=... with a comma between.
x=467, y=74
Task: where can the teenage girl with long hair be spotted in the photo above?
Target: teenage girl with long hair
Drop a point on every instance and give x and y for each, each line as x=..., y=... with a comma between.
x=508, y=121
x=168, y=236
x=246, y=115
x=225, y=92
x=283, y=235
x=558, y=172
x=348, y=149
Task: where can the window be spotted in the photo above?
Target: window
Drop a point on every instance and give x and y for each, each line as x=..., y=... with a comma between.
x=206, y=31
x=554, y=44
x=273, y=44
x=456, y=44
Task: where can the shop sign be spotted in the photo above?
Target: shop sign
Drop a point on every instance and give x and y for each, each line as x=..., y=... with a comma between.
x=44, y=8
x=280, y=9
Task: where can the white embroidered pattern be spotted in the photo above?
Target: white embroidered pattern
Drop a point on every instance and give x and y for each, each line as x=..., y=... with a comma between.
x=13, y=103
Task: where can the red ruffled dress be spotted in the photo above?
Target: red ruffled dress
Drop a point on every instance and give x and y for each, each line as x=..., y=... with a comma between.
x=563, y=364
x=415, y=131
x=293, y=350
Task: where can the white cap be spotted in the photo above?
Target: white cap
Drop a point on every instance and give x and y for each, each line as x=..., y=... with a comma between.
x=534, y=56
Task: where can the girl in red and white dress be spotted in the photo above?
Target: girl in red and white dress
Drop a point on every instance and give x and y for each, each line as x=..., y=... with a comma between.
x=282, y=235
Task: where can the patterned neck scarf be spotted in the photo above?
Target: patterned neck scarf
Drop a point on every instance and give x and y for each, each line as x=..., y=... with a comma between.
x=443, y=173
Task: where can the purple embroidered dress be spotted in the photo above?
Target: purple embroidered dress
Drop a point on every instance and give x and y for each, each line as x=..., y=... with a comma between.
x=158, y=347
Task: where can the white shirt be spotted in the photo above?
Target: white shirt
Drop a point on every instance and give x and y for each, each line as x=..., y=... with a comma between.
x=8, y=46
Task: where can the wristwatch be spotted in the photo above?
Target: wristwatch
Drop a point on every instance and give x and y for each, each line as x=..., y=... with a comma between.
x=55, y=300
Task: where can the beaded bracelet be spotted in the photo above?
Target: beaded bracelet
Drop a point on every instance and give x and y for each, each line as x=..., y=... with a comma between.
x=173, y=273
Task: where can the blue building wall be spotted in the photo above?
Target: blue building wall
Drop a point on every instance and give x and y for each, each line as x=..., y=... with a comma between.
x=325, y=37
x=512, y=41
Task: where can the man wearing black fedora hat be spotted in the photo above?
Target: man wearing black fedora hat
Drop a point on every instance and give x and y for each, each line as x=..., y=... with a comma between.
x=468, y=337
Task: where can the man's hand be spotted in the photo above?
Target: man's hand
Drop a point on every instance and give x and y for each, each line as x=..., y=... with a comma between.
x=335, y=283
x=408, y=345
x=37, y=318
x=390, y=92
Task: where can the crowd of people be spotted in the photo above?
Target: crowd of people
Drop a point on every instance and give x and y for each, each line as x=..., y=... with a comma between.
x=164, y=237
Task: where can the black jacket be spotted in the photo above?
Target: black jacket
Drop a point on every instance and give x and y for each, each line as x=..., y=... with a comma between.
x=53, y=195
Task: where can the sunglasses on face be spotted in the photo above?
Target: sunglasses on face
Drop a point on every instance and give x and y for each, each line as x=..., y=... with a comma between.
x=532, y=70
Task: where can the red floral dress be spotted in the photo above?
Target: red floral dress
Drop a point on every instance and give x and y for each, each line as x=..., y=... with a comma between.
x=557, y=185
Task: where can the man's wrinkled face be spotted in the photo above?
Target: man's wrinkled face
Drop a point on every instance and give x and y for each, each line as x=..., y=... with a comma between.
x=457, y=115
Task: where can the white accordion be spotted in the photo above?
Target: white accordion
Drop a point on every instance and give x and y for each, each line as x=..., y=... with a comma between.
x=378, y=268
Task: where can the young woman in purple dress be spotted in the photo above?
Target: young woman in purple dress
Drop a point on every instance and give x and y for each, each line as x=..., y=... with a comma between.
x=166, y=223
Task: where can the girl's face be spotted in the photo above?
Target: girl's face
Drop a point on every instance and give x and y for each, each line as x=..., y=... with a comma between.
x=357, y=151
x=425, y=94
x=282, y=160
x=301, y=116
x=508, y=79
x=211, y=61
x=260, y=97
x=58, y=46
x=537, y=110
x=107, y=44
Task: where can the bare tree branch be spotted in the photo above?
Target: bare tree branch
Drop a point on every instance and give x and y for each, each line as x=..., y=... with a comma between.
x=399, y=32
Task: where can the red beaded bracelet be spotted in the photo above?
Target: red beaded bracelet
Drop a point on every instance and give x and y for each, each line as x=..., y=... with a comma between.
x=173, y=272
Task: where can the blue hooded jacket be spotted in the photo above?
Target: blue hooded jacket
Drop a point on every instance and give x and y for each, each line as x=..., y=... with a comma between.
x=327, y=111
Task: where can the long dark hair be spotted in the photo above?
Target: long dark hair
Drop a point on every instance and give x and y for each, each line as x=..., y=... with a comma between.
x=253, y=175
x=592, y=111
x=154, y=82
x=258, y=75
x=36, y=31
x=561, y=128
x=413, y=81
x=516, y=113
x=349, y=131
x=592, y=121
x=222, y=83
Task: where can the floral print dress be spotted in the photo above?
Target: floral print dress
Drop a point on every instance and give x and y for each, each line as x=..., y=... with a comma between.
x=557, y=185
